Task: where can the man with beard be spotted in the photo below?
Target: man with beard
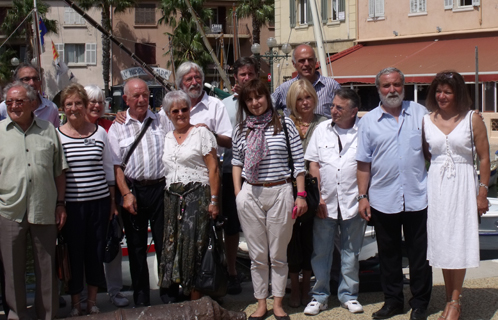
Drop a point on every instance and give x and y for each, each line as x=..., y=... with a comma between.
x=206, y=111
x=392, y=193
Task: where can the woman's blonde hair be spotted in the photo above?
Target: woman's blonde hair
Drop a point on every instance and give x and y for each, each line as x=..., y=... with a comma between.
x=296, y=89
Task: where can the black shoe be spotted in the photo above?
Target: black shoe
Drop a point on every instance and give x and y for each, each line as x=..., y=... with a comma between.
x=168, y=299
x=234, y=285
x=62, y=302
x=418, y=314
x=388, y=311
x=251, y=317
x=142, y=300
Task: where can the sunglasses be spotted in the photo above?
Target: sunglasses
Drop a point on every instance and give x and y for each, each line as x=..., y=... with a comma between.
x=18, y=102
x=28, y=79
x=177, y=111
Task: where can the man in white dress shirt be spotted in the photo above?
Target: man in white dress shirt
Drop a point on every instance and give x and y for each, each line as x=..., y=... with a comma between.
x=331, y=153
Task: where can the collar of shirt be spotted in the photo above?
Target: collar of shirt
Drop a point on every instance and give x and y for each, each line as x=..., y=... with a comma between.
x=380, y=111
x=201, y=104
x=11, y=124
x=149, y=114
x=319, y=79
x=44, y=102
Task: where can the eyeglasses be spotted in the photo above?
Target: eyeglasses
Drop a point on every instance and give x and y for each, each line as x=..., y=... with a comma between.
x=18, y=102
x=448, y=75
x=96, y=101
x=177, y=111
x=28, y=79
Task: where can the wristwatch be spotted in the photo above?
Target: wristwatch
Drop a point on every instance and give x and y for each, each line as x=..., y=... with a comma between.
x=361, y=196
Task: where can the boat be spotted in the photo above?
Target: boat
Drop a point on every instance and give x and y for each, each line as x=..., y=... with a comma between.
x=488, y=227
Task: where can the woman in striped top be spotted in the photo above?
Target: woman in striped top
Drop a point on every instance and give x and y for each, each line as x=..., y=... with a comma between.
x=265, y=201
x=89, y=189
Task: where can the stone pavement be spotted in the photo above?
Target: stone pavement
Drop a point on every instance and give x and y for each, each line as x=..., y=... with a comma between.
x=479, y=302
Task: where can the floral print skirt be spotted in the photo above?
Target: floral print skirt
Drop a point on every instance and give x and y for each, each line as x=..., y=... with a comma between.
x=186, y=223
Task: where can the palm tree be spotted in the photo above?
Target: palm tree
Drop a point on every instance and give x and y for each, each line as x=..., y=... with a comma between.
x=186, y=41
x=261, y=12
x=105, y=6
x=15, y=15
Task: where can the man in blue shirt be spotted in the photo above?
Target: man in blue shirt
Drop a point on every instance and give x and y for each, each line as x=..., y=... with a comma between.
x=393, y=193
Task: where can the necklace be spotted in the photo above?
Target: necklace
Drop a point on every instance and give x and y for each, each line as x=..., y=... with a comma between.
x=305, y=124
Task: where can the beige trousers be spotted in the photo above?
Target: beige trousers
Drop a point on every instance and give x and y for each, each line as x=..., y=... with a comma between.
x=13, y=237
x=265, y=215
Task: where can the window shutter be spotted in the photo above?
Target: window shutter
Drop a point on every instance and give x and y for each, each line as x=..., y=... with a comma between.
x=342, y=10
x=379, y=8
x=309, y=16
x=292, y=4
x=476, y=3
x=371, y=8
x=448, y=4
x=91, y=53
x=324, y=10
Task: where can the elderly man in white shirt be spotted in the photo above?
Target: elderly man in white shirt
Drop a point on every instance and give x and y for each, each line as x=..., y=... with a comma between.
x=331, y=153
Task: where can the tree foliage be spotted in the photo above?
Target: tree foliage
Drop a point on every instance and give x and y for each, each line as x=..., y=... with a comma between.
x=15, y=15
x=105, y=6
x=186, y=43
x=261, y=12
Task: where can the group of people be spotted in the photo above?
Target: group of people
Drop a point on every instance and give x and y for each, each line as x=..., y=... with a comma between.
x=162, y=171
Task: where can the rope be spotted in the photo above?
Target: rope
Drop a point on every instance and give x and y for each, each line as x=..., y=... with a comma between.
x=17, y=28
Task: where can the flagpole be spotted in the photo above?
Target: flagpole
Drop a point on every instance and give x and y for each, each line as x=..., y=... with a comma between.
x=37, y=43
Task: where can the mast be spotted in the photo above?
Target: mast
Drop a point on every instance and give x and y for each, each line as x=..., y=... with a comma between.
x=36, y=40
x=208, y=46
x=317, y=30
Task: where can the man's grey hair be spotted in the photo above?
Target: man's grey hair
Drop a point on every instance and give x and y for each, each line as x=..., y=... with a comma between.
x=126, y=89
x=173, y=97
x=388, y=71
x=22, y=66
x=94, y=92
x=30, y=92
x=302, y=44
x=185, y=68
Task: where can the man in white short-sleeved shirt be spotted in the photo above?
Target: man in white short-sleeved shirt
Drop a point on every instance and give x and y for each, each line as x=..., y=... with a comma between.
x=331, y=152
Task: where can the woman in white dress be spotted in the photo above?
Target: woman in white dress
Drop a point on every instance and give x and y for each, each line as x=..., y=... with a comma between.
x=190, y=198
x=451, y=131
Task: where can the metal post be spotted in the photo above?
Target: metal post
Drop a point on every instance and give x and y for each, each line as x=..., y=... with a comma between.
x=271, y=70
x=477, y=81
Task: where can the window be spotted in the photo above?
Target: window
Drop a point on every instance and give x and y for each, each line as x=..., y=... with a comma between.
x=71, y=17
x=80, y=53
x=60, y=49
x=448, y=4
x=417, y=6
x=375, y=9
x=146, y=52
x=338, y=12
x=303, y=6
x=145, y=14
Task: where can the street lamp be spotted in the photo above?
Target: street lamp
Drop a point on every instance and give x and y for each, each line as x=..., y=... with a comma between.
x=272, y=55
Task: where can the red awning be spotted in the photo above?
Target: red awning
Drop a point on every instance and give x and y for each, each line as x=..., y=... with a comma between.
x=419, y=61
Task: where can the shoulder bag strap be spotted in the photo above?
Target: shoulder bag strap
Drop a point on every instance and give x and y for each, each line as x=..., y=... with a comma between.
x=135, y=143
x=289, y=153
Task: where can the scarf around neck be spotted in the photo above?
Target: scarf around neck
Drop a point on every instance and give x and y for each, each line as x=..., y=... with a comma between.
x=257, y=148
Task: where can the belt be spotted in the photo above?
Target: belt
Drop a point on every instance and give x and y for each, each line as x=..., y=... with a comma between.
x=271, y=184
x=144, y=183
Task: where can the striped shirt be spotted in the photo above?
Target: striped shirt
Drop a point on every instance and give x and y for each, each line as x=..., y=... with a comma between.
x=146, y=160
x=90, y=166
x=274, y=166
x=325, y=89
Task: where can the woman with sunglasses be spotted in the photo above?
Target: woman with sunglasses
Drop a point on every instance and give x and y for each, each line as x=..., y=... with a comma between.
x=265, y=203
x=190, y=198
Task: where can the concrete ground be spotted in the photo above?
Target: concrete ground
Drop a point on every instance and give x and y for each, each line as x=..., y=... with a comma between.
x=479, y=302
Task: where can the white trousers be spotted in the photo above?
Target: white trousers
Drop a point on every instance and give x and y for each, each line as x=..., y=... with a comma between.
x=265, y=215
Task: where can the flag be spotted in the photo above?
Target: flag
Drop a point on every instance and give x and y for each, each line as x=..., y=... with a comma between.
x=60, y=66
x=42, y=29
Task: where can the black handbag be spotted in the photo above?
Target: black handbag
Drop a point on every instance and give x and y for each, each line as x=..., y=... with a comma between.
x=212, y=279
x=310, y=183
x=113, y=240
x=62, y=259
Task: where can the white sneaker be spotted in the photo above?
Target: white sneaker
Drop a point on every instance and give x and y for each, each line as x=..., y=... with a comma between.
x=314, y=307
x=353, y=306
x=119, y=300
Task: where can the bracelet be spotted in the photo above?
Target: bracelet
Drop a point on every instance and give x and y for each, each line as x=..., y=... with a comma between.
x=301, y=197
x=302, y=194
x=214, y=203
x=60, y=204
x=483, y=185
x=127, y=194
x=214, y=197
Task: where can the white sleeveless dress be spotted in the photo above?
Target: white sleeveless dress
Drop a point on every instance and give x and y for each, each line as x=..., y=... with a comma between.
x=452, y=223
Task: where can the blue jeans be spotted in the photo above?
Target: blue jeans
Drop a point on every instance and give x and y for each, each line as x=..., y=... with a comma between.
x=351, y=235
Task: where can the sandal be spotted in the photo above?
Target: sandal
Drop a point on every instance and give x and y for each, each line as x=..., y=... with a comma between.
x=75, y=310
x=93, y=309
x=453, y=304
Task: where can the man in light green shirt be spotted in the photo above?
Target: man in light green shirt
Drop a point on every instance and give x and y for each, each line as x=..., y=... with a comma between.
x=32, y=188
